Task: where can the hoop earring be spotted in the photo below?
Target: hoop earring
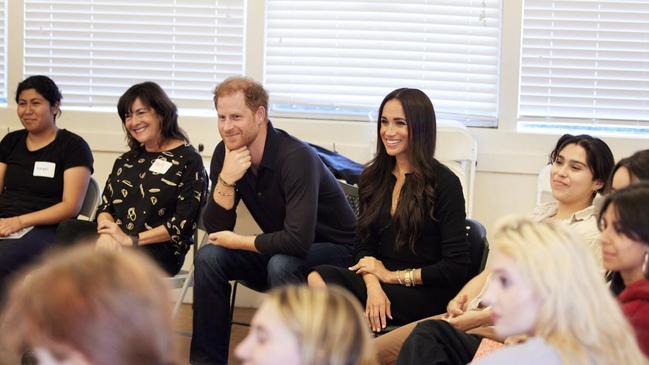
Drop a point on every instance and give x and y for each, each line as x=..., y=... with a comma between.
x=645, y=265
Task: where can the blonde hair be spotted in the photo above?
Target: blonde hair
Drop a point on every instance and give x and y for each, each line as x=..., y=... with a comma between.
x=328, y=324
x=579, y=316
x=111, y=307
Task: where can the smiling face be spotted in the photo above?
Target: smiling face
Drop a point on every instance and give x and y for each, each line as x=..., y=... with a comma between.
x=514, y=307
x=35, y=112
x=238, y=125
x=144, y=125
x=619, y=252
x=571, y=178
x=394, y=129
x=269, y=341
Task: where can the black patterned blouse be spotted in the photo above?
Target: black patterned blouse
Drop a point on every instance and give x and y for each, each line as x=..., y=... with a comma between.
x=149, y=189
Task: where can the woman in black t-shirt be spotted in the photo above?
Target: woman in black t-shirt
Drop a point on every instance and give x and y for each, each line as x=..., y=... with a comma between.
x=44, y=175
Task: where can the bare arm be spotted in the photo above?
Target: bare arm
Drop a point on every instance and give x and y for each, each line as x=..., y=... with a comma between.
x=470, y=291
x=75, y=184
x=3, y=170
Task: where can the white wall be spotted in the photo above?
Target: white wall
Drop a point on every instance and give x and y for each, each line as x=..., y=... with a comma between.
x=508, y=160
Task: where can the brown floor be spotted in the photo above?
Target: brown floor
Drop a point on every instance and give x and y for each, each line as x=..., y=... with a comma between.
x=183, y=326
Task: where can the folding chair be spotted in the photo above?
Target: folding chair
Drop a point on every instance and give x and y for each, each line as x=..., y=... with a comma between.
x=90, y=201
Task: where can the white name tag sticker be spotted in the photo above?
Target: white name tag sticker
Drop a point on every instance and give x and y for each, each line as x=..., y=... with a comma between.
x=160, y=166
x=44, y=168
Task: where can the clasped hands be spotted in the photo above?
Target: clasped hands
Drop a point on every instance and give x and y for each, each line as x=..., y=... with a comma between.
x=111, y=236
x=377, y=307
x=374, y=266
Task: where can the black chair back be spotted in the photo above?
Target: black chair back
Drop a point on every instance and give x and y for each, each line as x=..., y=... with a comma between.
x=476, y=235
x=351, y=193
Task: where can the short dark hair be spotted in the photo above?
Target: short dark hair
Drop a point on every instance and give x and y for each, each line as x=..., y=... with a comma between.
x=637, y=164
x=632, y=207
x=43, y=85
x=152, y=95
x=598, y=155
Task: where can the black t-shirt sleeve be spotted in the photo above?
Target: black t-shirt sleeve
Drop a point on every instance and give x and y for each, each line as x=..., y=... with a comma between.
x=77, y=153
x=7, y=145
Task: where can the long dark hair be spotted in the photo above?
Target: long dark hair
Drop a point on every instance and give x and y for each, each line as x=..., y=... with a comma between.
x=631, y=206
x=598, y=156
x=417, y=196
x=637, y=164
x=151, y=95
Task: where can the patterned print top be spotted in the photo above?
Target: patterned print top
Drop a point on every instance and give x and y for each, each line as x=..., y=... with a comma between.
x=149, y=189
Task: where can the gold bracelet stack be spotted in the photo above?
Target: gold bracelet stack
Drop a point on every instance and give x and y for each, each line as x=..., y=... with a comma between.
x=408, y=277
x=221, y=193
x=225, y=183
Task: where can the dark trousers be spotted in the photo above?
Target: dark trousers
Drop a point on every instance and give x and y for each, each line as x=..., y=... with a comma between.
x=436, y=342
x=407, y=304
x=215, y=266
x=73, y=231
x=15, y=254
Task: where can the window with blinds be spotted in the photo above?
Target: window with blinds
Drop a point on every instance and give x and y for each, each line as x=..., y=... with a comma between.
x=95, y=49
x=343, y=57
x=585, y=62
x=3, y=51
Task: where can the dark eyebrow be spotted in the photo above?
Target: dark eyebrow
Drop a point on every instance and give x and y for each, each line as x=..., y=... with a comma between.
x=572, y=161
x=578, y=163
x=140, y=109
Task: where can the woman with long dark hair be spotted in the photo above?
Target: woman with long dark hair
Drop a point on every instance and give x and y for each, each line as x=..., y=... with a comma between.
x=625, y=251
x=412, y=255
x=580, y=167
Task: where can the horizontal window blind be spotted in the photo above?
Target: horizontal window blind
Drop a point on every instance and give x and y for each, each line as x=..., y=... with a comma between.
x=585, y=62
x=3, y=51
x=347, y=55
x=95, y=50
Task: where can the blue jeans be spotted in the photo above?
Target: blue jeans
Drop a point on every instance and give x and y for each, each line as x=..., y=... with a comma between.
x=215, y=266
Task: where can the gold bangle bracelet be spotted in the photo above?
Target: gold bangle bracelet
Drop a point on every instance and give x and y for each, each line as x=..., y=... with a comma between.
x=220, y=193
x=225, y=183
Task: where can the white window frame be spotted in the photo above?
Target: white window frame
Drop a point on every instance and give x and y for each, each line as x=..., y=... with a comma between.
x=254, y=61
x=562, y=118
x=3, y=51
x=94, y=78
x=367, y=113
